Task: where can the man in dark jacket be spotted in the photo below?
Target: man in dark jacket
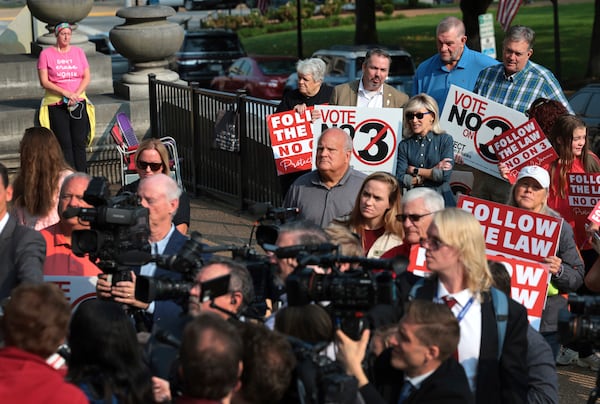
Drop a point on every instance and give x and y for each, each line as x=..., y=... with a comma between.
x=423, y=350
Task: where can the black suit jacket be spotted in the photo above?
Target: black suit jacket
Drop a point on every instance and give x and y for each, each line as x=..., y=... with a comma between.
x=503, y=381
x=22, y=255
x=447, y=385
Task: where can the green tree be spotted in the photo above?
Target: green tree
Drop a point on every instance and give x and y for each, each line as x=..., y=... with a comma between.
x=471, y=10
x=366, y=30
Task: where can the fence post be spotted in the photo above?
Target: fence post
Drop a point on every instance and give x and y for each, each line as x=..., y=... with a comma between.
x=242, y=136
x=153, y=103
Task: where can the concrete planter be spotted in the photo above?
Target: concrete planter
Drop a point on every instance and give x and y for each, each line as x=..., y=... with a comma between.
x=147, y=39
x=54, y=12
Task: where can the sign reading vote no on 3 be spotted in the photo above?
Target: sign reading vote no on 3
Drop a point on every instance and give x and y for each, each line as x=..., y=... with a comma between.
x=375, y=134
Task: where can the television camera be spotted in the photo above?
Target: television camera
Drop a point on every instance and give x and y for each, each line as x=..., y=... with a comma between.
x=349, y=296
x=119, y=229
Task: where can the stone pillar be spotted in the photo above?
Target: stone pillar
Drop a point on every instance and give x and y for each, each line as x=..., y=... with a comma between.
x=148, y=40
x=53, y=12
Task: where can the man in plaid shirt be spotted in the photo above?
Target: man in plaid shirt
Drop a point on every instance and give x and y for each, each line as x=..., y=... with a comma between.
x=516, y=83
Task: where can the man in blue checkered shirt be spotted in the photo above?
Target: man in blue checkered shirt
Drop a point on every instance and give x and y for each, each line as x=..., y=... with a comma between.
x=516, y=83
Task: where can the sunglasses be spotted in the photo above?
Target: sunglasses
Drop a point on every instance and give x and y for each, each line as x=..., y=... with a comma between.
x=143, y=165
x=431, y=243
x=419, y=115
x=413, y=218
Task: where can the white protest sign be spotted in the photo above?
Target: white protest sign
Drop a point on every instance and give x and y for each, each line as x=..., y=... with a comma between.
x=473, y=121
x=375, y=134
x=76, y=288
x=514, y=232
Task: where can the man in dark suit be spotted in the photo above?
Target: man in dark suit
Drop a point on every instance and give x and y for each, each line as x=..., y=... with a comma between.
x=22, y=250
x=370, y=90
x=160, y=194
x=420, y=367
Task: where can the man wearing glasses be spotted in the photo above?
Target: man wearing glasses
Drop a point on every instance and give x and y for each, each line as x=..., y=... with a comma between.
x=418, y=207
x=370, y=90
x=60, y=259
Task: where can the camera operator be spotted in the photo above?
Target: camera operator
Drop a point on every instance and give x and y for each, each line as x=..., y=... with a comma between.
x=292, y=234
x=160, y=195
x=426, y=338
x=239, y=295
x=60, y=259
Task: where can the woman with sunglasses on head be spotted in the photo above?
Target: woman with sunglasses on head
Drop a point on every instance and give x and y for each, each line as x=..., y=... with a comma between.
x=455, y=254
x=64, y=73
x=530, y=192
x=373, y=218
x=426, y=154
x=152, y=157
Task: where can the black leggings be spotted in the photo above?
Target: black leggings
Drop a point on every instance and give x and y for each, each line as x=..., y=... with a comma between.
x=72, y=133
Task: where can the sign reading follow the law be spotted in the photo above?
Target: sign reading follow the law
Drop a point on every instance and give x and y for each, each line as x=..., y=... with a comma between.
x=291, y=140
x=473, y=121
x=525, y=145
x=514, y=232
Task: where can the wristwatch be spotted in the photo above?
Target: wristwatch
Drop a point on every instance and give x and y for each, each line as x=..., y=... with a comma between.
x=415, y=172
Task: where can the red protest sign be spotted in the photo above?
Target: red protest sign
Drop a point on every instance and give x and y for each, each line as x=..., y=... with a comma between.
x=514, y=232
x=523, y=146
x=292, y=140
x=594, y=215
x=584, y=192
x=416, y=261
x=528, y=285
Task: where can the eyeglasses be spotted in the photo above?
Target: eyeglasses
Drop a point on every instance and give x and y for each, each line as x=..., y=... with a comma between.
x=413, y=218
x=143, y=165
x=68, y=197
x=419, y=115
x=431, y=243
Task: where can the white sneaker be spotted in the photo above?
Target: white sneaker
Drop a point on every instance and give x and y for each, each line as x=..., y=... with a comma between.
x=566, y=356
x=592, y=362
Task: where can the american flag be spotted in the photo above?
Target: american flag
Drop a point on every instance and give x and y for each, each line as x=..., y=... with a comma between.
x=507, y=9
x=263, y=6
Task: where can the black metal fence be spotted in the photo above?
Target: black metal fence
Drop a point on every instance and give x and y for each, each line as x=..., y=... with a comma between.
x=222, y=139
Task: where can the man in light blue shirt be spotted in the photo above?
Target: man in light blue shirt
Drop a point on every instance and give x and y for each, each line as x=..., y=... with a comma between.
x=454, y=63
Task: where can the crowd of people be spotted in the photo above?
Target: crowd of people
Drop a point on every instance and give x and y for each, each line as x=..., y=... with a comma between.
x=198, y=328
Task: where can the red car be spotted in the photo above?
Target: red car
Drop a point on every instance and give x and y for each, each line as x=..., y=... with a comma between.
x=261, y=76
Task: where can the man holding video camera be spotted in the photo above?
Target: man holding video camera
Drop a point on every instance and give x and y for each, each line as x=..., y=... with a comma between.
x=160, y=195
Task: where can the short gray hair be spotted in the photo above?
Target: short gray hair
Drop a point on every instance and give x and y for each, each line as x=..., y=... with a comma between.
x=71, y=177
x=314, y=66
x=432, y=200
x=240, y=279
x=449, y=23
x=518, y=33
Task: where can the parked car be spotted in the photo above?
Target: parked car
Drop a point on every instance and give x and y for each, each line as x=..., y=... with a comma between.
x=205, y=54
x=586, y=104
x=344, y=64
x=120, y=64
x=196, y=4
x=261, y=76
